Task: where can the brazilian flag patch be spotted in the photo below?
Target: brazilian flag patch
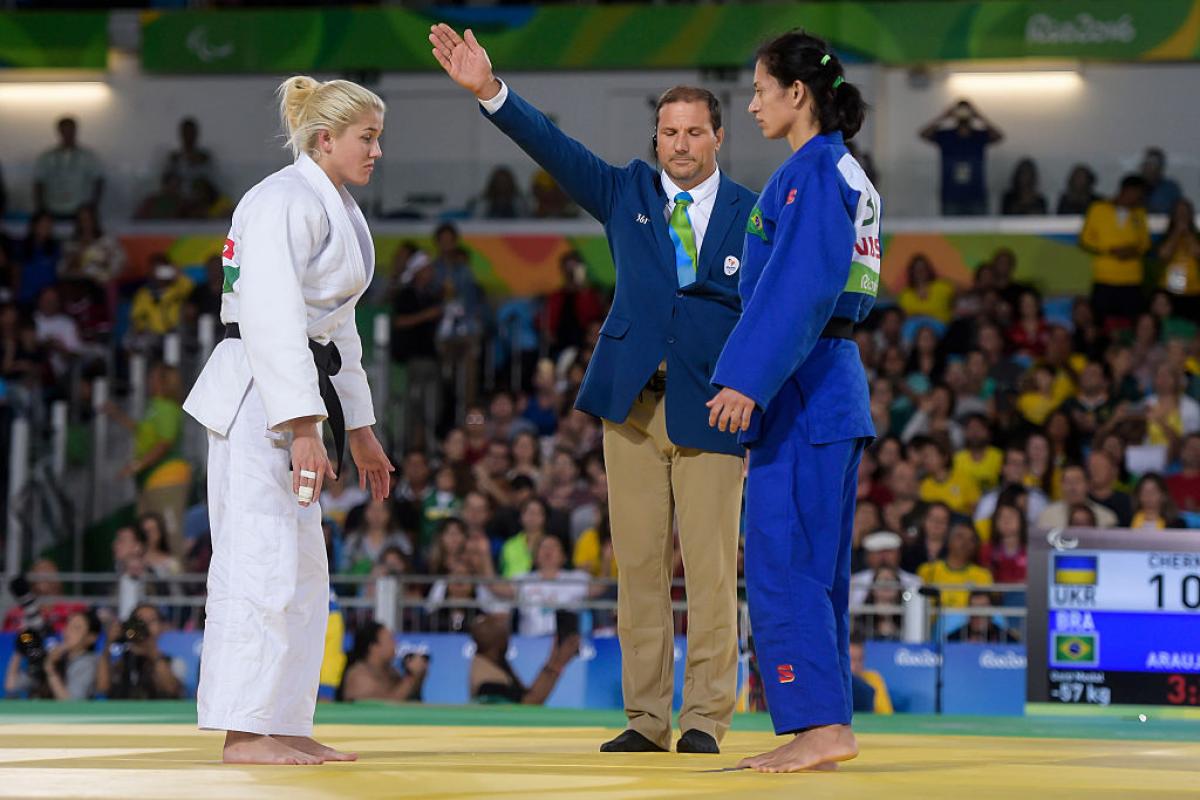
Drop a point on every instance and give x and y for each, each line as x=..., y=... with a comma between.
x=755, y=224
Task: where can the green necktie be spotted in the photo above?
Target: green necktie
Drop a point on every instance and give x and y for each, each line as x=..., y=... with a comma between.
x=684, y=240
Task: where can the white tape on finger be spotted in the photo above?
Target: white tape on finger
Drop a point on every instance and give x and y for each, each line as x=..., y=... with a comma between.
x=305, y=493
x=308, y=473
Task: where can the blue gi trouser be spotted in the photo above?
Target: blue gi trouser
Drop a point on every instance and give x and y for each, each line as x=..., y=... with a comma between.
x=800, y=500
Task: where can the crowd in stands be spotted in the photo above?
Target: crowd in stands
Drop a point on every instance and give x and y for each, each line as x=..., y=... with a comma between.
x=998, y=412
x=70, y=176
x=962, y=135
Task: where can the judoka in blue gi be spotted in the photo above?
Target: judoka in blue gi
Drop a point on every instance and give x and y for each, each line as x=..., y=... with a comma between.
x=792, y=383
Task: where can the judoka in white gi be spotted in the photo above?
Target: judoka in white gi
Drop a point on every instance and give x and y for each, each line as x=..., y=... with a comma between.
x=298, y=257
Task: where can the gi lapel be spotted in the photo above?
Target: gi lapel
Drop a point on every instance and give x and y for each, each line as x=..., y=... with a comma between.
x=365, y=243
x=337, y=206
x=349, y=227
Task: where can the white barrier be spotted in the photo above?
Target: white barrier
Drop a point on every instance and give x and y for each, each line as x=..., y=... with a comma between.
x=58, y=428
x=18, y=477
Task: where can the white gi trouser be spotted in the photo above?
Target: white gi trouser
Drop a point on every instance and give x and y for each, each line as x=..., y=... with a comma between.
x=268, y=586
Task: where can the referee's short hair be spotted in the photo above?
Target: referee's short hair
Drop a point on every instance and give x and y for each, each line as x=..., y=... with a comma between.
x=690, y=94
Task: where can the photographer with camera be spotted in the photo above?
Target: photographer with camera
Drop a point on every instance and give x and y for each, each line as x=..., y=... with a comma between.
x=139, y=670
x=72, y=670
x=371, y=673
x=31, y=600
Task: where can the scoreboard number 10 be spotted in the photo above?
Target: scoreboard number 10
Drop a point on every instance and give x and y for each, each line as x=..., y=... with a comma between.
x=1189, y=590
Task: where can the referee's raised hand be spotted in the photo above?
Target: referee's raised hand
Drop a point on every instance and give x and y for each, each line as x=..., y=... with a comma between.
x=464, y=60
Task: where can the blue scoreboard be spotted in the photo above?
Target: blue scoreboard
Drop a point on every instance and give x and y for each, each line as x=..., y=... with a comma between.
x=1114, y=617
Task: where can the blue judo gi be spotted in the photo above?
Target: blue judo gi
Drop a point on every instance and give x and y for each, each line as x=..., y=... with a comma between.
x=811, y=256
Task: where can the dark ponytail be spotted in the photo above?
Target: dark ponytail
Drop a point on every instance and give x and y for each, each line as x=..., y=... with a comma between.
x=799, y=56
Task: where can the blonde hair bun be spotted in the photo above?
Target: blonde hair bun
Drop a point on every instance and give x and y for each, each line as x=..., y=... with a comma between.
x=308, y=106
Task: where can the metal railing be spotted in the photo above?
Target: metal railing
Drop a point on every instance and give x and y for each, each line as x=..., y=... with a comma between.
x=402, y=603
x=68, y=506
x=47, y=502
x=41, y=513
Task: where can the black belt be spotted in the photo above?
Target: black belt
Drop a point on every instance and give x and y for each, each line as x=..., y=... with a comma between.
x=657, y=383
x=329, y=363
x=838, y=328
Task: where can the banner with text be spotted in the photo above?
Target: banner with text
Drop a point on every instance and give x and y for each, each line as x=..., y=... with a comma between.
x=669, y=37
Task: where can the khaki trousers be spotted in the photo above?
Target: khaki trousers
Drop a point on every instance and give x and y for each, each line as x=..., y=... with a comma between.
x=651, y=483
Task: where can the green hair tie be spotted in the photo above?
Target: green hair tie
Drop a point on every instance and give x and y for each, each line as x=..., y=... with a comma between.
x=825, y=59
x=838, y=81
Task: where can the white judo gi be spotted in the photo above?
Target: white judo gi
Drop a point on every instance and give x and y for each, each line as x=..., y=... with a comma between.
x=298, y=257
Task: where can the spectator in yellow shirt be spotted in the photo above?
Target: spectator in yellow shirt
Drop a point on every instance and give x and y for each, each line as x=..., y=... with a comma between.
x=157, y=305
x=881, y=701
x=1059, y=356
x=1116, y=234
x=1039, y=397
x=979, y=460
x=926, y=295
x=941, y=484
x=594, y=550
x=958, y=568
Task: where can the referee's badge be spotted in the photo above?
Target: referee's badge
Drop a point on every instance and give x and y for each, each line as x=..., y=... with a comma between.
x=731, y=265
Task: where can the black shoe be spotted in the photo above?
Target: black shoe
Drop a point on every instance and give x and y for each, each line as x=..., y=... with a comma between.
x=631, y=742
x=695, y=741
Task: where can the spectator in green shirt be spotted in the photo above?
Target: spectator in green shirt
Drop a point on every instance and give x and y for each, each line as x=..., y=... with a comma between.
x=163, y=476
x=516, y=556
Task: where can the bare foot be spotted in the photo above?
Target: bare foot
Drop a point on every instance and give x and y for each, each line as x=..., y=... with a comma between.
x=252, y=748
x=306, y=744
x=814, y=749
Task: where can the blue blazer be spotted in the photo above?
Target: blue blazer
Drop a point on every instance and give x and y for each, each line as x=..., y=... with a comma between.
x=651, y=319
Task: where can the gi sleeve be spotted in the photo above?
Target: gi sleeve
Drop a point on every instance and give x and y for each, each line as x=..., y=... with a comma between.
x=279, y=239
x=351, y=380
x=794, y=298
